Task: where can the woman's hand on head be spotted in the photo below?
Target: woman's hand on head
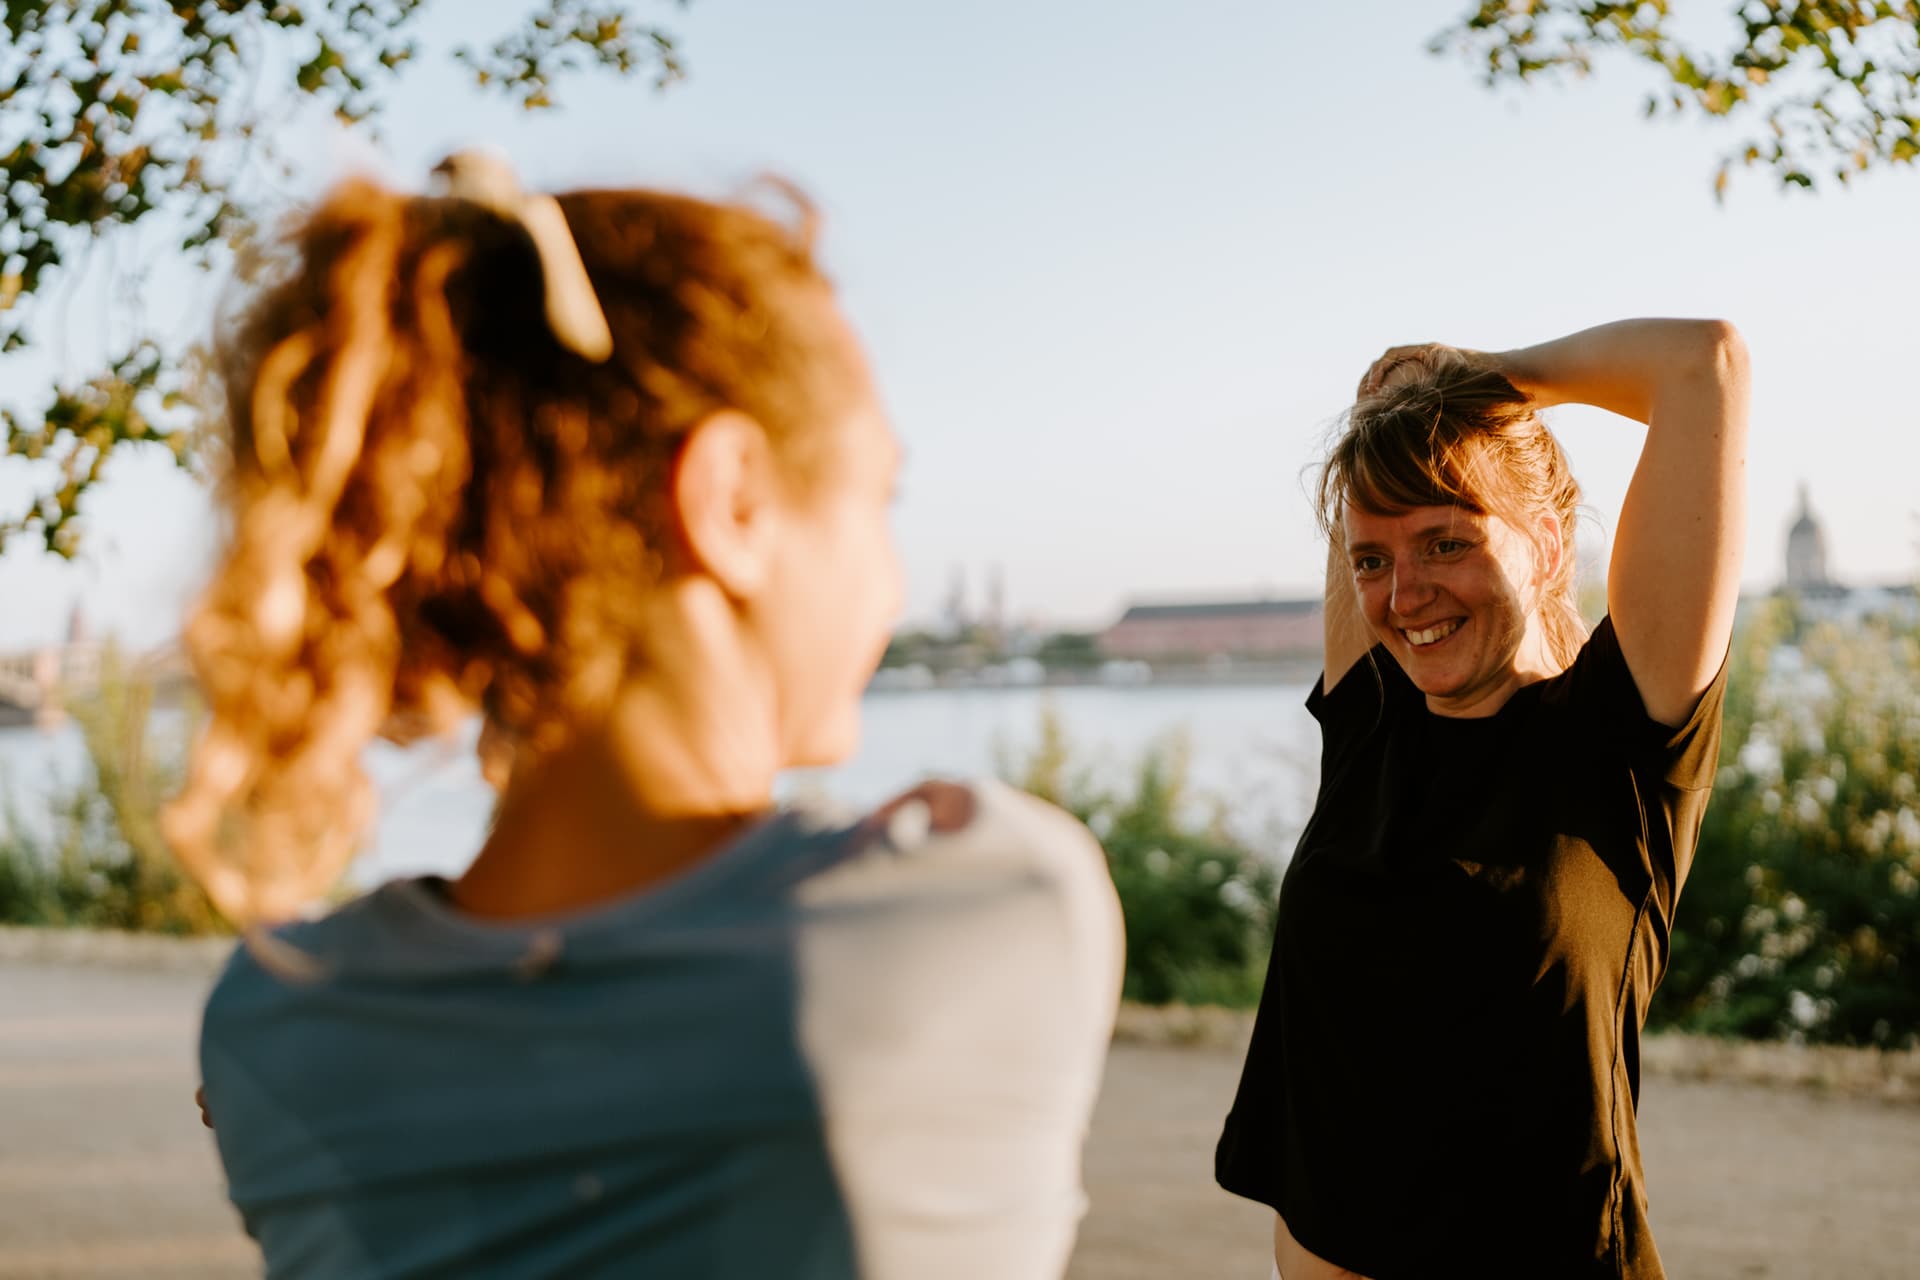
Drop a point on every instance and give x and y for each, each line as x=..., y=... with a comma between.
x=1401, y=365
x=932, y=808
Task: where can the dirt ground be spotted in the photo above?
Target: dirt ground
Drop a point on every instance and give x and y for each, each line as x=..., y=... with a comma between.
x=105, y=1171
x=1746, y=1181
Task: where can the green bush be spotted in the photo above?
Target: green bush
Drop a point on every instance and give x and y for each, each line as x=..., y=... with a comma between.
x=26, y=871
x=102, y=863
x=1801, y=914
x=1198, y=903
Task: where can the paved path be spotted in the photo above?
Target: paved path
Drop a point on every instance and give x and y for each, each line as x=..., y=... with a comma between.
x=105, y=1171
x=104, y=1168
x=1747, y=1182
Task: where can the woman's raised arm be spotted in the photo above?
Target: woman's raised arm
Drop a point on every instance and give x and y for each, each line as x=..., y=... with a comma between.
x=1675, y=576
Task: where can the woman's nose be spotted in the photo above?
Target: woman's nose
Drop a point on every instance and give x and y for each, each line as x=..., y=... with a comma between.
x=1412, y=589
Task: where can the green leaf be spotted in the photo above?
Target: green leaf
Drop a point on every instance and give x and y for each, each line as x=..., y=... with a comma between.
x=1731, y=78
x=75, y=173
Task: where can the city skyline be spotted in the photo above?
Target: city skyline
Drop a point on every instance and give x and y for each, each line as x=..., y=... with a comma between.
x=957, y=609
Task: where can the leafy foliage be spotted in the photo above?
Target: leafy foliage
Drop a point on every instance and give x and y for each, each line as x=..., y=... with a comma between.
x=1198, y=904
x=125, y=404
x=1801, y=916
x=1834, y=84
x=115, y=111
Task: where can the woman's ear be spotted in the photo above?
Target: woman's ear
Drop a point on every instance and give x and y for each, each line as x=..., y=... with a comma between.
x=725, y=495
x=1550, y=550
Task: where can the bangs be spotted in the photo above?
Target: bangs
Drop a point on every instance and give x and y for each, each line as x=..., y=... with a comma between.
x=1395, y=463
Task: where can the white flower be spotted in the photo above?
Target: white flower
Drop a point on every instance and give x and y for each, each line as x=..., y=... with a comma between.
x=1236, y=895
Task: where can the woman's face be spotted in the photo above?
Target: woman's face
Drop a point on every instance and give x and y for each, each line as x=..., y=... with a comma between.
x=1453, y=594
x=837, y=590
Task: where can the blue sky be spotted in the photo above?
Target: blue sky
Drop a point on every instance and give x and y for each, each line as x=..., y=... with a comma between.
x=1120, y=264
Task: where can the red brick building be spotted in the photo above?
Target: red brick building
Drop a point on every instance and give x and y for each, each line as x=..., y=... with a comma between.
x=1233, y=629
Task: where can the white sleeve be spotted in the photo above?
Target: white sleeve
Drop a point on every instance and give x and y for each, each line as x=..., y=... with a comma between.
x=957, y=999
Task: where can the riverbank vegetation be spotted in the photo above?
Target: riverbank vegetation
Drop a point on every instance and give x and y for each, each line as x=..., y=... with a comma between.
x=1800, y=918
x=94, y=858
x=1198, y=901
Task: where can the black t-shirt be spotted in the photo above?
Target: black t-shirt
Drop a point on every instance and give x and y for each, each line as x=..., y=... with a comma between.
x=1443, y=1074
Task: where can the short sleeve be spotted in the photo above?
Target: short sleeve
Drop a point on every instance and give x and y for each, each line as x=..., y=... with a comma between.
x=958, y=1000
x=1601, y=691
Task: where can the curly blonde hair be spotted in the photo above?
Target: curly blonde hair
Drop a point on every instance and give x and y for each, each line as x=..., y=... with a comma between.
x=436, y=507
x=1460, y=435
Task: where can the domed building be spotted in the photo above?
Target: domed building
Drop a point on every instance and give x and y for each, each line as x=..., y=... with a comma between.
x=1813, y=588
x=1807, y=553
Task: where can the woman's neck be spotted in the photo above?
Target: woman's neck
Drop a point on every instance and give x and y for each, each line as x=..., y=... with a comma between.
x=682, y=762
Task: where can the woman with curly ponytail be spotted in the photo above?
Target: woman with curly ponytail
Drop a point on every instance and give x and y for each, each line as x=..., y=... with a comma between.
x=608, y=470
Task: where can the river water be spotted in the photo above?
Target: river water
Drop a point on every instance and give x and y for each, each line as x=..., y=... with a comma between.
x=1251, y=749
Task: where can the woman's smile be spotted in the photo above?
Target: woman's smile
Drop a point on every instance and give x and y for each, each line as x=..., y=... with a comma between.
x=1434, y=634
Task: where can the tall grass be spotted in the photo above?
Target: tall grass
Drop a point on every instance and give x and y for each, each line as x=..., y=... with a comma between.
x=98, y=861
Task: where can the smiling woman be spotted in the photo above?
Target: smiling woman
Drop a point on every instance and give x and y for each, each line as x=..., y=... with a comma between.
x=1443, y=1073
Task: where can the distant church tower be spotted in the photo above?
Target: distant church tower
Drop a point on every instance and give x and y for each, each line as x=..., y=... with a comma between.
x=1807, y=552
x=956, y=611
x=996, y=619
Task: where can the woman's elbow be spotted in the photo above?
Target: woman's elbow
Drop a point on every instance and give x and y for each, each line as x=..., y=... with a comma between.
x=1724, y=351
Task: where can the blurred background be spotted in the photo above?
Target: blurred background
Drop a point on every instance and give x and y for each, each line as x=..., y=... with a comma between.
x=1118, y=266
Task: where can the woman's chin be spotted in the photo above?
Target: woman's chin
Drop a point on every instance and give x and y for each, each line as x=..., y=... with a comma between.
x=1434, y=687
x=1434, y=675
x=827, y=745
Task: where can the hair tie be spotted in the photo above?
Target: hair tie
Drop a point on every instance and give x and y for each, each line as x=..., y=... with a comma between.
x=483, y=177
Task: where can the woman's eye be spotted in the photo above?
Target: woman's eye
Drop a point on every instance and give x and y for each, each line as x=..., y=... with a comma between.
x=1449, y=546
x=1369, y=564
